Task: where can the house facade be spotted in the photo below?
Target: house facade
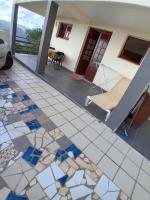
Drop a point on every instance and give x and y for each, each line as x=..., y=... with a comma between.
x=81, y=17
x=102, y=40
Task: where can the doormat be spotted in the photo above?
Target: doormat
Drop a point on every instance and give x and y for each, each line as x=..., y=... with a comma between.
x=77, y=77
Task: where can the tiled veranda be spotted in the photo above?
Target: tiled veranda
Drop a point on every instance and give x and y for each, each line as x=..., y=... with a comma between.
x=50, y=148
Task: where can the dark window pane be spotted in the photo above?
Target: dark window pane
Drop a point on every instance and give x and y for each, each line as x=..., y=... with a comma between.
x=134, y=49
x=1, y=41
x=64, y=30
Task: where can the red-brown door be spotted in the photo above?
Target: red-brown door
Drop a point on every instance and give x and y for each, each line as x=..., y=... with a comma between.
x=97, y=56
x=87, y=51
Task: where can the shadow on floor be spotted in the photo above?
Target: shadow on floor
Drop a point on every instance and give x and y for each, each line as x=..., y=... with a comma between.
x=139, y=138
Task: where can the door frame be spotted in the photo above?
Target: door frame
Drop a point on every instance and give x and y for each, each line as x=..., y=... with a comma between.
x=81, y=61
x=92, y=69
x=85, y=40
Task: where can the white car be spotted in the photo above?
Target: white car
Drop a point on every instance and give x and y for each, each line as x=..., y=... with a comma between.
x=6, y=59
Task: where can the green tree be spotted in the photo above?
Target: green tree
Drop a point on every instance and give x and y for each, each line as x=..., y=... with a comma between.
x=34, y=37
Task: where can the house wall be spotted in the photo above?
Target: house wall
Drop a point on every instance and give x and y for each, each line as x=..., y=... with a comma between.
x=71, y=47
x=115, y=67
x=111, y=59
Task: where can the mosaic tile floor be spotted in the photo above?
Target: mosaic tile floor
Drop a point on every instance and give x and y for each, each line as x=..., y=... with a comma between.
x=49, y=151
x=44, y=166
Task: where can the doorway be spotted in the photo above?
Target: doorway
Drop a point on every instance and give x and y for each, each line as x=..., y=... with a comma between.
x=93, y=52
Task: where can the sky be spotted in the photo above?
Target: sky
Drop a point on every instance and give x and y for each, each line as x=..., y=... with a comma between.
x=25, y=17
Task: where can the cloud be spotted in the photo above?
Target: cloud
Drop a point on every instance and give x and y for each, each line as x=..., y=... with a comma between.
x=5, y=9
x=25, y=17
x=29, y=19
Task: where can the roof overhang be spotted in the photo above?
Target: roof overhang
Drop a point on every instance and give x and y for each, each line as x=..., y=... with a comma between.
x=131, y=14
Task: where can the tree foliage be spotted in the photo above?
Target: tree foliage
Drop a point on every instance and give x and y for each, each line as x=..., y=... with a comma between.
x=34, y=36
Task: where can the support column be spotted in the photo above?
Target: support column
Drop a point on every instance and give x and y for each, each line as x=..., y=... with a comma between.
x=132, y=95
x=49, y=22
x=13, y=27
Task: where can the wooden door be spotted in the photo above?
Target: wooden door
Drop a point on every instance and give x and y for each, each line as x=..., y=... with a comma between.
x=87, y=51
x=97, y=56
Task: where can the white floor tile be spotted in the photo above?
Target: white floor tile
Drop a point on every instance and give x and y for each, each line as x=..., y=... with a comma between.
x=78, y=123
x=80, y=140
x=102, y=144
x=45, y=178
x=144, y=180
x=130, y=168
x=106, y=189
x=146, y=166
x=109, y=135
x=58, y=173
x=51, y=191
x=68, y=129
x=108, y=167
x=140, y=194
x=125, y=182
x=98, y=126
x=90, y=133
x=122, y=146
x=80, y=191
x=135, y=157
x=93, y=153
x=115, y=155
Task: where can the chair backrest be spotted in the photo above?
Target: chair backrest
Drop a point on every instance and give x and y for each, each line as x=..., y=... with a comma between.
x=59, y=53
x=120, y=88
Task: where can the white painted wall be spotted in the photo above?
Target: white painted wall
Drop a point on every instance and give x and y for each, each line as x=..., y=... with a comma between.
x=111, y=59
x=71, y=47
x=5, y=36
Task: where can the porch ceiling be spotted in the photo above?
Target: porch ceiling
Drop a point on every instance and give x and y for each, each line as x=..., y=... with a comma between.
x=100, y=13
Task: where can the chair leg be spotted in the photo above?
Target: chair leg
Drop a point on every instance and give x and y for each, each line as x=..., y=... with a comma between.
x=88, y=101
x=108, y=115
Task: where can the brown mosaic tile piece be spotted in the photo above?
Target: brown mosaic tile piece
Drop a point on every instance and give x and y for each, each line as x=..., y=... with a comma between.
x=28, y=102
x=63, y=191
x=42, y=118
x=27, y=117
x=19, y=106
x=56, y=134
x=72, y=163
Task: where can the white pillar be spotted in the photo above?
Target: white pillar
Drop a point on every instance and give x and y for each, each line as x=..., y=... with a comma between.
x=49, y=22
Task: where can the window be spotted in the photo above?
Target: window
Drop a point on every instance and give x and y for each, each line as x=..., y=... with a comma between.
x=64, y=30
x=134, y=49
x=1, y=41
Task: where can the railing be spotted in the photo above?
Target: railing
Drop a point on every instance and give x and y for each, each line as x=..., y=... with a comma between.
x=22, y=45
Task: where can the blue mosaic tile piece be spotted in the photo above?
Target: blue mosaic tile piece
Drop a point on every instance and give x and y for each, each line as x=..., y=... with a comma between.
x=61, y=155
x=13, y=196
x=32, y=107
x=29, y=109
x=75, y=150
x=14, y=95
x=32, y=155
x=4, y=86
x=63, y=180
x=25, y=97
x=24, y=111
x=33, y=124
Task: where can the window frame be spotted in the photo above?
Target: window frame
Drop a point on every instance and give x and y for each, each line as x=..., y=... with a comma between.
x=58, y=31
x=123, y=46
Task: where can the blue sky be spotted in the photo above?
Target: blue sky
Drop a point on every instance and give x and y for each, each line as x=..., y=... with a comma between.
x=25, y=17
